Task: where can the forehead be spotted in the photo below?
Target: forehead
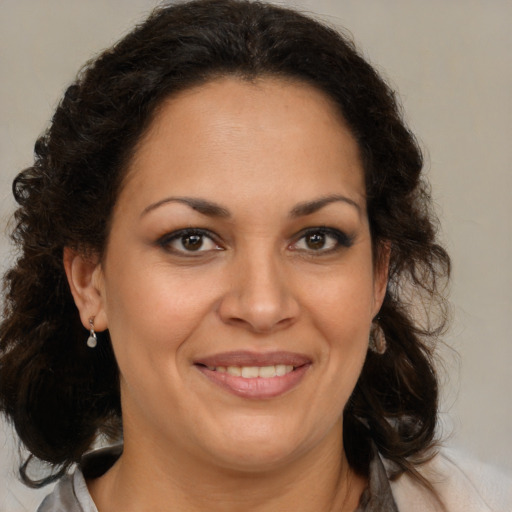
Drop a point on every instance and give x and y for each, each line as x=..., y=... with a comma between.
x=231, y=131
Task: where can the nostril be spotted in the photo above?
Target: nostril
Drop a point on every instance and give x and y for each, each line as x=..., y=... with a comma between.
x=259, y=299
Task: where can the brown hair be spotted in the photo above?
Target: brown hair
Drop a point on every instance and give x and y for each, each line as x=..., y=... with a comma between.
x=60, y=395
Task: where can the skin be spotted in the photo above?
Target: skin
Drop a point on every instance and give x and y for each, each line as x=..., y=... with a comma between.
x=258, y=150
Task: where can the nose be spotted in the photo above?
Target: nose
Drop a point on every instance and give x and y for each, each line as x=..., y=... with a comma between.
x=260, y=297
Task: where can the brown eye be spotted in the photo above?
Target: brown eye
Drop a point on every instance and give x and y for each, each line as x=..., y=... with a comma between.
x=187, y=241
x=192, y=242
x=322, y=240
x=315, y=241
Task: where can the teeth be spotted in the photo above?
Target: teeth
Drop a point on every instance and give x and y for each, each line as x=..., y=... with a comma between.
x=235, y=370
x=252, y=372
x=220, y=369
x=282, y=369
x=267, y=371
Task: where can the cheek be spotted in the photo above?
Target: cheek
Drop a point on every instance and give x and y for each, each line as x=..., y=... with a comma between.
x=341, y=303
x=151, y=318
x=153, y=311
x=342, y=311
x=347, y=335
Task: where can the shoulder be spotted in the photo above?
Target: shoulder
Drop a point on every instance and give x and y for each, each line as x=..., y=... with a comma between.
x=462, y=483
x=69, y=495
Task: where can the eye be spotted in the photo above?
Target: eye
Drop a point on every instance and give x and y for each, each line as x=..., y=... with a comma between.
x=189, y=241
x=322, y=240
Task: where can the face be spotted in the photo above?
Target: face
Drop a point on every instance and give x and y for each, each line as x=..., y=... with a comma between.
x=238, y=283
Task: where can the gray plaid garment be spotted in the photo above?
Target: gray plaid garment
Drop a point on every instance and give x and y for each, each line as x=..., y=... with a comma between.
x=71, y=494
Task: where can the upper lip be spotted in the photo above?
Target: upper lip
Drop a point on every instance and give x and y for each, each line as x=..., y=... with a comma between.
x=247, y=358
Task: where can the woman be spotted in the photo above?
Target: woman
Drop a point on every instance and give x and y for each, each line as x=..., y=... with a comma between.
x=230, y=222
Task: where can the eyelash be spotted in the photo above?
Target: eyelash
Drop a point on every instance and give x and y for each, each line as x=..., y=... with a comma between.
x=338, y=238
x=167, y=240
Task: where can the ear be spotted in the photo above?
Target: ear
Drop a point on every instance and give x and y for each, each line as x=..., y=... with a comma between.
x=85, y=278
x=381, y=274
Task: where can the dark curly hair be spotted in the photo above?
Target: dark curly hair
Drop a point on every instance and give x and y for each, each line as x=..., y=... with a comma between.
x=59, y=395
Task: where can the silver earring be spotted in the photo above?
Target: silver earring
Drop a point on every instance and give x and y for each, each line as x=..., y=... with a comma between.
x=92, y=340
x=378, y=342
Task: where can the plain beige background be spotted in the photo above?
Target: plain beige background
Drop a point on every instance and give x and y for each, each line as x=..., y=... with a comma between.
x=451, y=63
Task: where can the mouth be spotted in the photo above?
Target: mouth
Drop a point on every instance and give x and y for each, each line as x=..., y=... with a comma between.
x=254, y=375
x=252, y=372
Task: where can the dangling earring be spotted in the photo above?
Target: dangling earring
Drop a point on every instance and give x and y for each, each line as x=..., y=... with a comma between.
x=378, y=342
x=92, y=340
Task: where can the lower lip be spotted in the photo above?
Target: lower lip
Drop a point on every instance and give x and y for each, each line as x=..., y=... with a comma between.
x=258, y=387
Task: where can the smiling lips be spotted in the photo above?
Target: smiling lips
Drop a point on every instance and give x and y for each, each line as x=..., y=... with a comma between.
x=253, y=375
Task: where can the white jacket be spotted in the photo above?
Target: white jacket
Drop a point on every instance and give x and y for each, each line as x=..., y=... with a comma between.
x=464, y=485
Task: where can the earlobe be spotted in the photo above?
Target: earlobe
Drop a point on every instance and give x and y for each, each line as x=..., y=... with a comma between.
x=85, y=281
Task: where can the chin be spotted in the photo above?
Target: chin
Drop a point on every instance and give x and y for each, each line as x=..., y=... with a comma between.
x=260, y=448
x=252, y=459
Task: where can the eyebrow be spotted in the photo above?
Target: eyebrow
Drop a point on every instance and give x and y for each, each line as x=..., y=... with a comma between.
x=212, y=209
x=309, y=207
x=200, y=205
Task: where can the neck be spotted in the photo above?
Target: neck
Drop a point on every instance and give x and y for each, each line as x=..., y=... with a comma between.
x=145, y=478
